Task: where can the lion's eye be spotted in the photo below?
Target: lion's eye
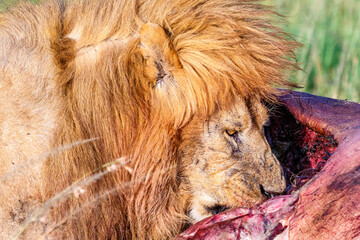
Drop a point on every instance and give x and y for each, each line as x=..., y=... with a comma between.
x=231, y=133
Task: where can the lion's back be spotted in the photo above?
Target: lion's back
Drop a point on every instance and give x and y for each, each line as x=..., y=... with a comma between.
x=29, y=109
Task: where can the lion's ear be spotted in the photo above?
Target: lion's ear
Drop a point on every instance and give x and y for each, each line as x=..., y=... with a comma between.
x=157, y=50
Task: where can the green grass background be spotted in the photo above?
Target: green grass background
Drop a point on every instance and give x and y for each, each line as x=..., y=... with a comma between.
x=330, y=33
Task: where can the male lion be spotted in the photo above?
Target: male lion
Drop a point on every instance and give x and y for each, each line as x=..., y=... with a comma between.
x=160, y=85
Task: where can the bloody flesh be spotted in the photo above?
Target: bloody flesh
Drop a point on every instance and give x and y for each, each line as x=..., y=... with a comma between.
x=317, y=140
x=301, y=151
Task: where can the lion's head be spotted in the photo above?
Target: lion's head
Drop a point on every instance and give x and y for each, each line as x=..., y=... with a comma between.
x=157, y=82
x=226, y=161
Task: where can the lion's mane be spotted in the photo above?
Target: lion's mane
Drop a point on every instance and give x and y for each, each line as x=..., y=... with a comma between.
x=85, y=56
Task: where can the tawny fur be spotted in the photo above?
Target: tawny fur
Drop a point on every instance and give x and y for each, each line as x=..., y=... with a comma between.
x=131, y=74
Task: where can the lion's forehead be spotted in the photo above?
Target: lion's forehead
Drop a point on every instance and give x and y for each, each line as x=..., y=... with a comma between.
x=239, y=116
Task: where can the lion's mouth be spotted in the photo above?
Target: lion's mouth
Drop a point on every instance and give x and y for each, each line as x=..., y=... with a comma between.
x=266, y=194
x=218, y=208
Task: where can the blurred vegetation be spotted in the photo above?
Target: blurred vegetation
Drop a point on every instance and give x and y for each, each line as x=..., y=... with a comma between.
x=4, y=4
x=330, y=33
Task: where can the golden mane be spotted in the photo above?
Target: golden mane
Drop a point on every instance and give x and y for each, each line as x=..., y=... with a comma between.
x=88, y=52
